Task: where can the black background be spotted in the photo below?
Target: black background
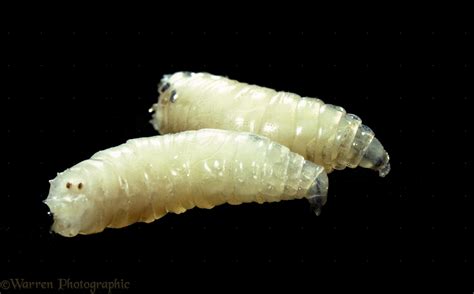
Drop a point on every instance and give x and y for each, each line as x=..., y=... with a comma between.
x=68, y=94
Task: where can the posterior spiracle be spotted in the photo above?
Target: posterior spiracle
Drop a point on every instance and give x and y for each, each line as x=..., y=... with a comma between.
x=322, y=133
x=144, y=179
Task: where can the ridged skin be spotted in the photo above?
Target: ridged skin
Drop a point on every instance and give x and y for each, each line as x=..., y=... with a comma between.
x=322, y=133
x=143, y=179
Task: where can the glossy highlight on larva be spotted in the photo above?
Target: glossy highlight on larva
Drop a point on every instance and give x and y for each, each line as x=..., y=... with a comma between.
x=322, y=133
x=143, y=179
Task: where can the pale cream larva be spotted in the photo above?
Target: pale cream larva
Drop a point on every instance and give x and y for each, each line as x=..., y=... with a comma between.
x=322, y=133
x=143, y=179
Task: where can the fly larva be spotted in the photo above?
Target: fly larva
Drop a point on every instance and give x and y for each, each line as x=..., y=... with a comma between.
x=143, y=179
x=322, y=133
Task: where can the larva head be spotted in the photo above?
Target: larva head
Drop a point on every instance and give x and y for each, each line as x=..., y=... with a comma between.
x=376, y=158
x=70, y=203
x=318, y=192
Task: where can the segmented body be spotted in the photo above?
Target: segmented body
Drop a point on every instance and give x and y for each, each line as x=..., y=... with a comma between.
x=143, y=179
x=322, y=133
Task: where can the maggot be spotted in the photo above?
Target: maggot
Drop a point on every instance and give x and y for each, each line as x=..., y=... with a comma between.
x=143, y=179
x=322, y=133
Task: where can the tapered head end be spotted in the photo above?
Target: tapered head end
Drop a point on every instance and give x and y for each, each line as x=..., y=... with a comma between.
x=318, y=193
x=376, y=158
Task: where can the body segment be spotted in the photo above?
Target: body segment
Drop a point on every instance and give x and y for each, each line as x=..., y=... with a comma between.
x=322, y=133
x=144, y=179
